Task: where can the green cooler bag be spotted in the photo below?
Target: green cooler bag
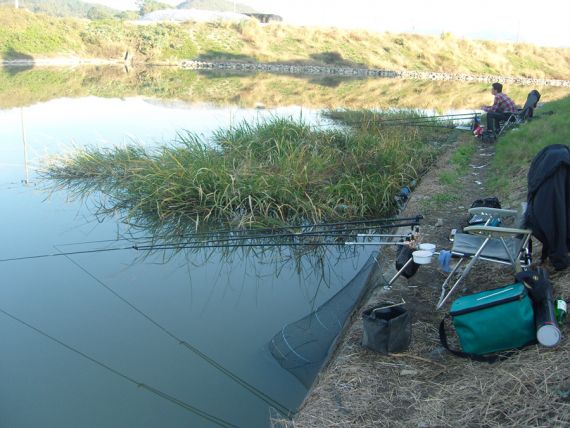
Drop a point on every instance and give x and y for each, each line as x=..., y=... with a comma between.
x=494, y=320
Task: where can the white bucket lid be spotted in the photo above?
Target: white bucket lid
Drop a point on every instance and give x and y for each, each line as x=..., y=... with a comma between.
x=548, y=335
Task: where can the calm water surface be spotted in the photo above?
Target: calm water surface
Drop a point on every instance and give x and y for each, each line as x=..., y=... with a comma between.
x=122, y=338
x=127, y=311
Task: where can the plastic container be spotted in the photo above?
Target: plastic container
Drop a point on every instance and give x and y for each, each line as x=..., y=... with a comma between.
x=547, y=331
x=422, y=257
x=387, y=329
x=548, y=335
x=427, y=247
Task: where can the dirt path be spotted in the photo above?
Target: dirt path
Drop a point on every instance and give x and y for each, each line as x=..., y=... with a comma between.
x=427, y=386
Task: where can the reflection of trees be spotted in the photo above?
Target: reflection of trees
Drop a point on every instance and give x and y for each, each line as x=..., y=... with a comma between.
x=249, y=90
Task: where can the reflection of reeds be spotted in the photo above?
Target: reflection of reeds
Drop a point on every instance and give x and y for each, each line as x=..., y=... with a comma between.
x=268, y=173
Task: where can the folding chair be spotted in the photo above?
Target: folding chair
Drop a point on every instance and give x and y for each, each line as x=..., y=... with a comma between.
x=522, y=114
x=497, y=244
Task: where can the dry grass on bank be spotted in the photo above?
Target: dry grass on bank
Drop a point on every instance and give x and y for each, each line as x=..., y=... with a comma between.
x=530, y=389
x=24, y=33
x=427, y=386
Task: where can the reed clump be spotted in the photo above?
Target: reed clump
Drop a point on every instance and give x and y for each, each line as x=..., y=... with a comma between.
x=271, y=172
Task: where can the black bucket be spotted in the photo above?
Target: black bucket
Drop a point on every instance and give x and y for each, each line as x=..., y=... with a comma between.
x=387, y=328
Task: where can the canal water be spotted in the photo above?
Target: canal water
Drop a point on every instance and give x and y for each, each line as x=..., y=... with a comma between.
x=96, y=333
x=106, y=335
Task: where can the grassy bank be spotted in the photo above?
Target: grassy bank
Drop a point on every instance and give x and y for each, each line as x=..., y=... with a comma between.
x=517, y=148
x=280, y=171
x=26, y=34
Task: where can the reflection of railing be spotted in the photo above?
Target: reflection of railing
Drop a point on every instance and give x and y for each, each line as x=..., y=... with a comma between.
x=26, y=174
x=303, y=346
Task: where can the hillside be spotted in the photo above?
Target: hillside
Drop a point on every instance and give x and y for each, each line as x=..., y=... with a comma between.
x=34, y=35
x=75, y=8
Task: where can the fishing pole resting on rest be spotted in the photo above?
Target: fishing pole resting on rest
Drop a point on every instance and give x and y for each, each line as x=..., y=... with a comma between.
x=288, y=239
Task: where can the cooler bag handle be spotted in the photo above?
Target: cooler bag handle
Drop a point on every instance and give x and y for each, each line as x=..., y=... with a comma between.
x=484, y=359
x=490, y=358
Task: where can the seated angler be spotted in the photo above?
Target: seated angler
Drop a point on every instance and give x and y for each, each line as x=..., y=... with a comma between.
x=501, y=109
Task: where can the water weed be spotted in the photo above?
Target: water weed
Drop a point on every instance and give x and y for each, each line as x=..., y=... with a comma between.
x=271, y=172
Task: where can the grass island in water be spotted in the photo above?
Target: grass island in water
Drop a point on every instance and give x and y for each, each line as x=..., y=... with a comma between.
x=272, y=172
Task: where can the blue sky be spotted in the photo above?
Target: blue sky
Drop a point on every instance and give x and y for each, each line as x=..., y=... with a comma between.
x=544, y=23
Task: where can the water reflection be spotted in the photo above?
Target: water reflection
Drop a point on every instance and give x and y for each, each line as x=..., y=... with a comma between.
x=249, y=90
x=194, y=323
x=191, y=324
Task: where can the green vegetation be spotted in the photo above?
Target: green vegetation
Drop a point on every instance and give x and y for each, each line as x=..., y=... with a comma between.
x=264, y=174
x=274, y=43
x=25, y=34
x=70, y=8
x=459, y=161
x=147, y=6
x=20, y=87
x=517, y=148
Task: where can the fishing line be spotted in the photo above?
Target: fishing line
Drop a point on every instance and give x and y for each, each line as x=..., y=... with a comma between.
x=186, y=245
x=214, y=419
x=258, y=393
x=200, y=245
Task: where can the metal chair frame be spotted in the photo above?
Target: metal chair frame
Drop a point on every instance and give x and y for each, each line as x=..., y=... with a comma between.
x=518, y=253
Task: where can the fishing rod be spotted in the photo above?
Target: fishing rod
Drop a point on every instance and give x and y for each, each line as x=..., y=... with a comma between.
x=181, y=246
x=243, y=245
x=379, y=118
x=392, y=222
x=416, y=120
x=193, y=244
x=212, y=238
x=297, y=235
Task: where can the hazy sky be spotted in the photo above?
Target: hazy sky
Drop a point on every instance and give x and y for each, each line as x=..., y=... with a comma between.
x=545, y=22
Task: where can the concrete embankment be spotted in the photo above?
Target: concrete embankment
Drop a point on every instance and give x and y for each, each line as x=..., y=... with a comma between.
x=368, y=72
x=292, y=69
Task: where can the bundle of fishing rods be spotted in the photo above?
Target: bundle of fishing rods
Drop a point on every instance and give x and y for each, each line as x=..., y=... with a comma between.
x=306, y=235
x=441, y=121
x=339, y=233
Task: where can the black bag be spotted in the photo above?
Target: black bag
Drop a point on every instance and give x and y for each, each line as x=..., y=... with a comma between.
x=403, y=254
x=386, y=329
x=488, y=137
x=489, y=202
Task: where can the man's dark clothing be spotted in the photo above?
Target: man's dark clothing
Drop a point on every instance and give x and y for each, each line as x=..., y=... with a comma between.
x=548, y=211
x=501, y=109
x=493, y=119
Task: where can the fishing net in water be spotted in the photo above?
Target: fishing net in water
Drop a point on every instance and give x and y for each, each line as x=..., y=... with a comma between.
x=302, y=347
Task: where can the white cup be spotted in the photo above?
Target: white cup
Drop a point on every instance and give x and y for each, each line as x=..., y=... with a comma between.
x=427, y=247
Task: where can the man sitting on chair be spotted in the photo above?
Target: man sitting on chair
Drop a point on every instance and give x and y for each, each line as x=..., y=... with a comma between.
x=501, y=109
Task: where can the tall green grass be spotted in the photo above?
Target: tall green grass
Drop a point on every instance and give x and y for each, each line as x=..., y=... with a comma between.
x=273, y=172
x=516, y=149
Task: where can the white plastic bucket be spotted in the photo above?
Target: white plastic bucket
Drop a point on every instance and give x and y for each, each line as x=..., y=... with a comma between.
x=422, y=257
x=427, y=247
